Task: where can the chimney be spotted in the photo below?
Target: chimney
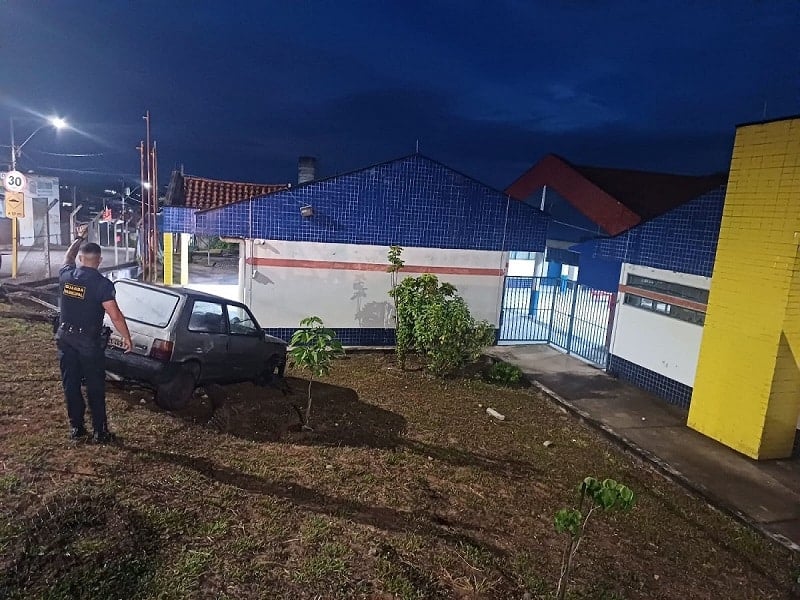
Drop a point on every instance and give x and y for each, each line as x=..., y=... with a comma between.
x=306, y=169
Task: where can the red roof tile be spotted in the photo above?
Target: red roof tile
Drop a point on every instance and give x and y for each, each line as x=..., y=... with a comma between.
x=615, y=199
x=201, y=193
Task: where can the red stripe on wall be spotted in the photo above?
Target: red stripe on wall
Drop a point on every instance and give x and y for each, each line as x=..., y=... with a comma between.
x=298, y=263
x=698, y=306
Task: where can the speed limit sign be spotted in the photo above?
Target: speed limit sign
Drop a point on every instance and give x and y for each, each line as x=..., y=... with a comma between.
x=14, y=181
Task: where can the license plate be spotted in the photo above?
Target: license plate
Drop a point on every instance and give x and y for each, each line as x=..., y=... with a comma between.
x=115, y=341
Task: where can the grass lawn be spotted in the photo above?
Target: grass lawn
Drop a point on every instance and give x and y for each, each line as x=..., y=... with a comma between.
x=405, y=489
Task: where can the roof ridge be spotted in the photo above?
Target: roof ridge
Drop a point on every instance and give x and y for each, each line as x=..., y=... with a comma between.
x=644, y=172
x=197, y=177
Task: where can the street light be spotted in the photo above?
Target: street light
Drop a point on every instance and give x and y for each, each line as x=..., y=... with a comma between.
x=56, y=122
x=16, y=152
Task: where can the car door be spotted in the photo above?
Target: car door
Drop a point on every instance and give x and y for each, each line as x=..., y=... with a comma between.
x=206, y=339
x=246, y=346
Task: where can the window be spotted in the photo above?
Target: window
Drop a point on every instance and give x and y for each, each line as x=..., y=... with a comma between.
x=145, y=305
x=676, y=312
x=667, y=287
x=517, y=255
x=241, y=321
x=207, y=317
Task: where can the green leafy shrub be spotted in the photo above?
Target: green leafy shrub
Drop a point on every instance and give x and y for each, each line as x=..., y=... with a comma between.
x=607, y=495
x=504, y=374
x=434, y=322
x=314, y=348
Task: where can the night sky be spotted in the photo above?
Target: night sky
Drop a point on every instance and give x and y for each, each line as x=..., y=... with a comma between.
x=238, y=90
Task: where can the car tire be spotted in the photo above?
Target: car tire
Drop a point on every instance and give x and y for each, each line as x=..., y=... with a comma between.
x=176, y=393
x=272, y=370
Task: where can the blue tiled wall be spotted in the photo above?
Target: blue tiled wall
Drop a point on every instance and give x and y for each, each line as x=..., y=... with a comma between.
x=413, y=201
x=684, y=239
x=670, y=390
x=178, y=219
x=366, y=336
x=598, y=273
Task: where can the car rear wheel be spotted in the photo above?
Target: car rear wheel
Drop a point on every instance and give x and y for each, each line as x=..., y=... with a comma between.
x=176, y=393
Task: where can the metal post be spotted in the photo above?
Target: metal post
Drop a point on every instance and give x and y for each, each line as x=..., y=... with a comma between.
x=116, y=247
x=14, y=242
x=154, y=198
x=552, y=313
x=140, y=236
x=575, y=291
x=72, y=219
x=14, y=256
x=148, y=238
x=13, y=147
x=125, y=226
x=47, y=238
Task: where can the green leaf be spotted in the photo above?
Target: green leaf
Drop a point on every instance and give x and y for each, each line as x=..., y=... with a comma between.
x=568, y=520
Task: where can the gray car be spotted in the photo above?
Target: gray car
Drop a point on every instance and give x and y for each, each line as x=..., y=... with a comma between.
x=183, y=338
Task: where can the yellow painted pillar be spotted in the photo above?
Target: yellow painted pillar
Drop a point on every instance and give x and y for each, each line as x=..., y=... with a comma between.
x=168, y=253
x=747, y=388
x=185, y=258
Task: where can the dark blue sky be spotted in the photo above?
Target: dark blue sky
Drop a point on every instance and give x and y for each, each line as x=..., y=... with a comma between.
x=239, y=89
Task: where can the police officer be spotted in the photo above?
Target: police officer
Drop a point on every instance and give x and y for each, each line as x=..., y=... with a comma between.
x=85, y=295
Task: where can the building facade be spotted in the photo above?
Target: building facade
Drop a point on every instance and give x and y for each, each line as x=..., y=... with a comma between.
x=321, y=248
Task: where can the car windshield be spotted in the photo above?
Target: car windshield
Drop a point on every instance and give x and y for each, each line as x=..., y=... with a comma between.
x=145, y=305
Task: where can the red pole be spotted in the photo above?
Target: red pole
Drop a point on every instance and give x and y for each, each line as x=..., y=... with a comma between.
x=154, y=209
x=142, y=245
x=147, y=223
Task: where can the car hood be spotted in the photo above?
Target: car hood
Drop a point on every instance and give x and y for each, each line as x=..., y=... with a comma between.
x=274, y=340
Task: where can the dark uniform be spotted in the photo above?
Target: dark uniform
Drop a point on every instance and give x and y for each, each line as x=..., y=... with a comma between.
x=80, y=347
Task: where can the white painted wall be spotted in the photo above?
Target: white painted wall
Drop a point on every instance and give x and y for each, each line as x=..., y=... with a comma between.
x=533, y=267
x=657, y=342
x=282, y=296
x=521, y=268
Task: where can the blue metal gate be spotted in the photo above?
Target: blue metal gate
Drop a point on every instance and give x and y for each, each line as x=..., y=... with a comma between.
x=574, y=318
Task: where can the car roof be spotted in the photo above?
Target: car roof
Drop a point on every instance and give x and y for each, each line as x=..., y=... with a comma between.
x=180, y=291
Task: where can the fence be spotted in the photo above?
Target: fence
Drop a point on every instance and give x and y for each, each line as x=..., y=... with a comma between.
x=42, y=245
x=569, y=316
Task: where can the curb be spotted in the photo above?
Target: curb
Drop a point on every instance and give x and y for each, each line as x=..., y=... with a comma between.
x=664, y=468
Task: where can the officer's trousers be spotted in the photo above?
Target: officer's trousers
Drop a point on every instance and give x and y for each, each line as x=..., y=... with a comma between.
x=83, y=362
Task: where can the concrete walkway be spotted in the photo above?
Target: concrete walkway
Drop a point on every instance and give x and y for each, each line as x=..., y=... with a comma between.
x=766, y=495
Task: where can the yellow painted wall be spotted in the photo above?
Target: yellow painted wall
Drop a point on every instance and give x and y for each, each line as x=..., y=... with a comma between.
x=168, y=254
x=747, y=389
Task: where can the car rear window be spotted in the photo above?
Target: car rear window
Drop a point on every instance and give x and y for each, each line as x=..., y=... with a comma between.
x=145, y=305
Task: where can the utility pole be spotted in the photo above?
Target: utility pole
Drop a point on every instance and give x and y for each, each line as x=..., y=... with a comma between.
x=14, y=224
x=125, y=193
x=141, y=237
x=154, y=214
x=13, y=146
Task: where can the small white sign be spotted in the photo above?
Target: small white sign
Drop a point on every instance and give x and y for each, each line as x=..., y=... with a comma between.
x=14, y=181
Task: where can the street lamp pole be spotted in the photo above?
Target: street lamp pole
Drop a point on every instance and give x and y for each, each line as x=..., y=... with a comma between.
x=14, y=234
x=56, y=122
x=13, y=147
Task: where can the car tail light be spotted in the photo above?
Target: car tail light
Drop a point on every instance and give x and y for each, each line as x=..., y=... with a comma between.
x=161, y=350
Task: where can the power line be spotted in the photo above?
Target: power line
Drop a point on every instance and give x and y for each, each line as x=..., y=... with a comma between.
x=68, y=155
x=40, y=167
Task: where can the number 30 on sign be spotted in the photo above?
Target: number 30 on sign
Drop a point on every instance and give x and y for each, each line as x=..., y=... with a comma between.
x=14, y=181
